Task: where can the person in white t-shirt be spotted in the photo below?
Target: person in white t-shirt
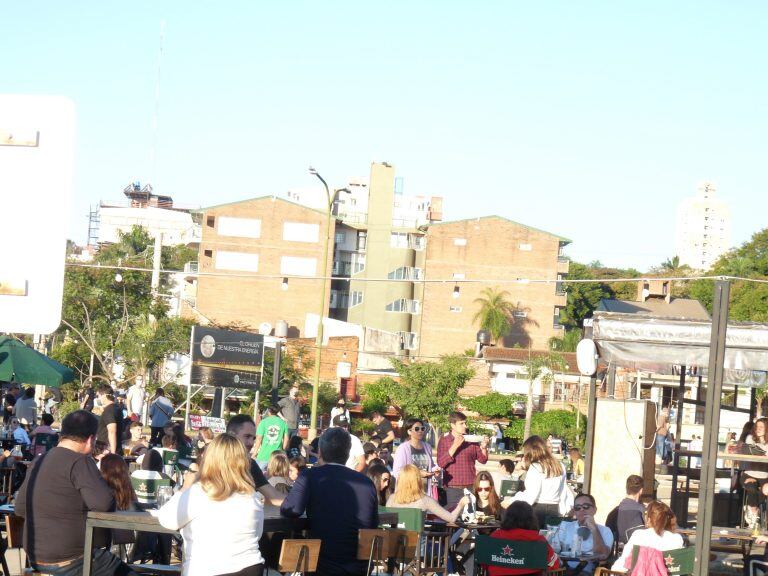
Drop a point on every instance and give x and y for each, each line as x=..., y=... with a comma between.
x=356, y=460
x=594, y=539
x=659, y=534
x=135, y=399
x=225, y=490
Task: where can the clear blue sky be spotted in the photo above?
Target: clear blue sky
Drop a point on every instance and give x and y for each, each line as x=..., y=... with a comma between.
x=588, y=119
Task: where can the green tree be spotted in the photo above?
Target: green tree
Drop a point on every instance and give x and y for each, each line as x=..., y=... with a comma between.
x=584, y=297
x=560, y=423
x=426, y=389
x=566, y=343
x=749, y=300
x=541, y=368
x=493, y=404
x=109, y=315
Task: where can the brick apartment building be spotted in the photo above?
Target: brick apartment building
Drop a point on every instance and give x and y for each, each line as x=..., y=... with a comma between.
x=500, y=251
x=268, y=237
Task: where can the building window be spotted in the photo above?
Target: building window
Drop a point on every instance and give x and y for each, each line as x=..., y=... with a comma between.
x=459, y=241
x=340, y=237
x=297, y=266
x=416, y=241
x=339, y=299
x=208, y=253
x=404, y=305
x=357, y=298
x=525, y=247
x=408, y=340
x=405, y=273
x=301, y=232
x=244, y=261
x=556, y=318
x=459, y=276
x=211, y=221
x=520, y=314
x=455, y=309
x=362, y=240
x=398, y=240
x=240, y=227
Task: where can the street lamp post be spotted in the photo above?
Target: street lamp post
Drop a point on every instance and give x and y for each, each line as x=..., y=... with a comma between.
x=312, y=433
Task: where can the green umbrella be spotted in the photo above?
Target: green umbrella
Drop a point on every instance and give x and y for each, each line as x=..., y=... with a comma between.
x=20, y=363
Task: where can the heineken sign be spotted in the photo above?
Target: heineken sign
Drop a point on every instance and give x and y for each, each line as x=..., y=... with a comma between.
x=513, y=554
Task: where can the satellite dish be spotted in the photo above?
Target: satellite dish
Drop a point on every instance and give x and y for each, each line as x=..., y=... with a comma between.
x=586, y=357
x=265, y=328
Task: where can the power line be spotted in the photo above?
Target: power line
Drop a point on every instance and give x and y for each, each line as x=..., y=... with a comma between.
x=409, y=281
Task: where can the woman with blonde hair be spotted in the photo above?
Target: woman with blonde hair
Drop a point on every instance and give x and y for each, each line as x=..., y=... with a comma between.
x=659, y=533
x=279, y=471
x=225, y=489
x=544, y=479
x=409, y=493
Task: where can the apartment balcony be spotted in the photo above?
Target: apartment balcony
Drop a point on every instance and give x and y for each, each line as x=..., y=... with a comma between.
x=561, y=298
x=563, y=264
x=342, y=268
x=352, y=217
x=191, y=268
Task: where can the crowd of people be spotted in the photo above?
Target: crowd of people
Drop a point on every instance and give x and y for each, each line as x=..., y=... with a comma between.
x=220, y=497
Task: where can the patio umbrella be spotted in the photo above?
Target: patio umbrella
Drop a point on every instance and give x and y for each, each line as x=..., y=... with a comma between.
x=20, y=363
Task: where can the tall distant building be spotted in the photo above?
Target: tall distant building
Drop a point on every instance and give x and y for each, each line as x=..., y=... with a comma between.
x=703, y=231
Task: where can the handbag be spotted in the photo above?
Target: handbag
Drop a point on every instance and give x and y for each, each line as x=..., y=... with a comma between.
x=567, y=498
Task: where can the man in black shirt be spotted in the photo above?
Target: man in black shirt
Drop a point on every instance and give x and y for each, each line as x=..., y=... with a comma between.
x=110, y=431
x=383, y=430
x=59, y=490
x=244, y=428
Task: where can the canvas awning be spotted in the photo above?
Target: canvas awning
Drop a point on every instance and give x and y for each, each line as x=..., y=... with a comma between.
x=659, y=344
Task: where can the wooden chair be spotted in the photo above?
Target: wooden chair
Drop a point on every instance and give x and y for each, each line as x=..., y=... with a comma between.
x=524, y=555
x=374, y=545
x=14, y=529
x=420, y=553
x=299, y=556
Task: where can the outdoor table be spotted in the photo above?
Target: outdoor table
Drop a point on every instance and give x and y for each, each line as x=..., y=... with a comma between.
x=147, y=522
x=743, y=536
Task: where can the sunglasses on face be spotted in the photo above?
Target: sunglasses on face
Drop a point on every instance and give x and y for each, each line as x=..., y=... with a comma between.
x=578, y=507
x=484, y=489
x=418, y=428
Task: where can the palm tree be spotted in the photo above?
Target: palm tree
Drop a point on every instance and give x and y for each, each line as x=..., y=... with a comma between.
x=540, y=368
x=495, y=313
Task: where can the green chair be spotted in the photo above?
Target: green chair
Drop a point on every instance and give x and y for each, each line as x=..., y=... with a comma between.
x=509, y=488
x=407, y=518
x=679, y=562
x=516, y=554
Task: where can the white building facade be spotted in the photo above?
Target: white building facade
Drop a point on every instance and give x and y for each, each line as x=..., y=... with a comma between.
x=703, y=231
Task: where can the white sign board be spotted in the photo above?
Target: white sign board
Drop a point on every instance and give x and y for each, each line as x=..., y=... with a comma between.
x=37, y=136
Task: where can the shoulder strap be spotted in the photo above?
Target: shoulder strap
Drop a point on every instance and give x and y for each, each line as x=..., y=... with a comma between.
x=29, y=520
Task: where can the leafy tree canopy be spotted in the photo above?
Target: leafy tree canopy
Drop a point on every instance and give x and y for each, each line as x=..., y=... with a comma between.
x=426, y=389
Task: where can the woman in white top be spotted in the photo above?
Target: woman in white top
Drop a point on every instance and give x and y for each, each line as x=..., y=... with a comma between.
x=544, y=479
x=409, y=493
x=659, y=533
x=340, y=410
x=220, y=517
x=754, y=475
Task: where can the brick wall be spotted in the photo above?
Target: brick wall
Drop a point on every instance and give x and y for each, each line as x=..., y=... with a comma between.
x=487, y=248
x=252, y=301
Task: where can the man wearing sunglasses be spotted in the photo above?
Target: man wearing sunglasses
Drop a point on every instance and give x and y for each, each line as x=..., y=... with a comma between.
x=596, y=539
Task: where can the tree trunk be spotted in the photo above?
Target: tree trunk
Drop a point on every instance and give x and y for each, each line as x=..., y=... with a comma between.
x=528, y=411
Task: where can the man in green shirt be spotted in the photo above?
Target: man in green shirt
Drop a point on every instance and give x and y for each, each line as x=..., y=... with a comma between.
x=271, y=435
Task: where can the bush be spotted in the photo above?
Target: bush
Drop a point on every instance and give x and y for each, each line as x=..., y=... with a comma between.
x=559, y=423
x=67, y=407
x=362, y=427
x=493, y=404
